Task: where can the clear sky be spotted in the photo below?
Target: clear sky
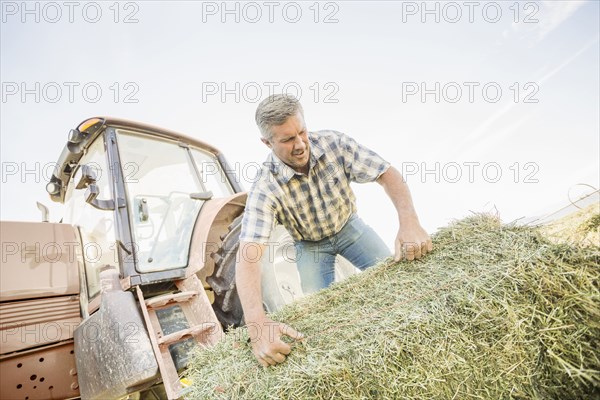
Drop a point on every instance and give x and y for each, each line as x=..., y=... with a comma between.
x=483, y=105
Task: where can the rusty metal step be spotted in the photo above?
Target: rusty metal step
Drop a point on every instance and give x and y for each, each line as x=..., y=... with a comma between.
x=163, y=300
x=183, y=334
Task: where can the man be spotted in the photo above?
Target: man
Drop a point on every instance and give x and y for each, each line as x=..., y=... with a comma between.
x=305, y=186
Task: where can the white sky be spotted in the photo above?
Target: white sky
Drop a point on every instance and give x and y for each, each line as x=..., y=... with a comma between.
x=374, y=58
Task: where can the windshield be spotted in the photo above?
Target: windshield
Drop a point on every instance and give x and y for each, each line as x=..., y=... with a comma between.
x=160, y=175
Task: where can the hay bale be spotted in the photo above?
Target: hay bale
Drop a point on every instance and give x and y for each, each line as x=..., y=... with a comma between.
x=580, y=228
x=495, y=312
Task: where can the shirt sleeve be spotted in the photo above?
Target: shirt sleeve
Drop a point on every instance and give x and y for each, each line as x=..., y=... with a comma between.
x=361, y=164
x=259, y=218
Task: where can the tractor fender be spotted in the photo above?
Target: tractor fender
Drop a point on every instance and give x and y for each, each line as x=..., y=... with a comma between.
x=213, y=220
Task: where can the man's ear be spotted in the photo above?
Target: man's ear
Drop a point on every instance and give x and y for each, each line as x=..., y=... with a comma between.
x=266, y=142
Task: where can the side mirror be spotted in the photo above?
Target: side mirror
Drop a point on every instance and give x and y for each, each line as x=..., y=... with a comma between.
x=90, y=197
x=87, y=177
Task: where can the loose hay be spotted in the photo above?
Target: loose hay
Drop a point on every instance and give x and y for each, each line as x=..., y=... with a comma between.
x=581, y=228
x=495, y=312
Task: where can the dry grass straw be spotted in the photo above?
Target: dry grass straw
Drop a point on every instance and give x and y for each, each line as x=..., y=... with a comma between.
x=495, y=312
x=581, y=228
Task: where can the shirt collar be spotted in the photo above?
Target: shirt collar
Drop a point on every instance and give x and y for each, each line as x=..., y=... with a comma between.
x=283, y=172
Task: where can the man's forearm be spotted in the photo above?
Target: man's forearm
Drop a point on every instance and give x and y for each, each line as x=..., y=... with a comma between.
x=411, y=241
x=248, y=281
x=398, y=192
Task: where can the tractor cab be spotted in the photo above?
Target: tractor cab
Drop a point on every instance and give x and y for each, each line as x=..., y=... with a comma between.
x=136, y=191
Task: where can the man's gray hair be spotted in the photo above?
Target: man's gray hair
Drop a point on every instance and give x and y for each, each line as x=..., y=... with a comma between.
x=274, y=111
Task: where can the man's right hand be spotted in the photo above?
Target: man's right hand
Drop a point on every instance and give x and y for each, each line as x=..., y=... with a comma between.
x=265, y=338
x=265, y=334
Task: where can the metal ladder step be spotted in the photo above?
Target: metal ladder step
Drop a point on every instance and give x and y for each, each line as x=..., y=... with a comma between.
x=163, y=300
x=183, y=334
x=202, y=321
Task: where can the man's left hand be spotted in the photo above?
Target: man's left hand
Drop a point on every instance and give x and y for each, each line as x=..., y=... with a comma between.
x=412, y=242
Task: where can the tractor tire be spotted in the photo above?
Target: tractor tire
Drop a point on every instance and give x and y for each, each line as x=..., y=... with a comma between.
x=227, y=305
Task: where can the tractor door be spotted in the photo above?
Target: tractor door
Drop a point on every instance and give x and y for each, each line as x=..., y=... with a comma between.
x=165, y=191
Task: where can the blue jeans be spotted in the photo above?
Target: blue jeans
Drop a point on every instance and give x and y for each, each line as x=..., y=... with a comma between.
x=357, y=242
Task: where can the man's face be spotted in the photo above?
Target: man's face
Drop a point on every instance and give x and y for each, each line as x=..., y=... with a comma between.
x=289, y=142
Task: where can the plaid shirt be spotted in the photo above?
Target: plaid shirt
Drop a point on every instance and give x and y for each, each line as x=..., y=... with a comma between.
x=314, y=206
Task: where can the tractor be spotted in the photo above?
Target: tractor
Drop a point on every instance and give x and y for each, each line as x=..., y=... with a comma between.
x=111, y=301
